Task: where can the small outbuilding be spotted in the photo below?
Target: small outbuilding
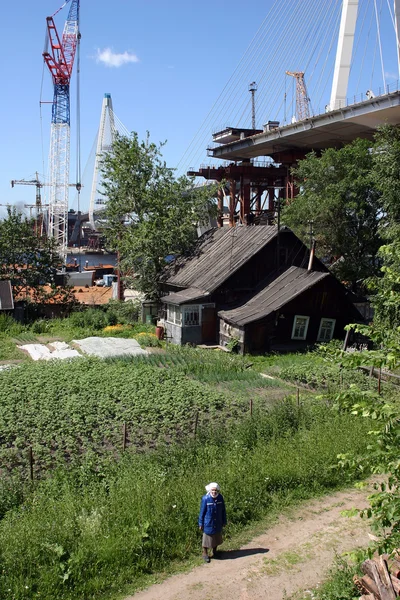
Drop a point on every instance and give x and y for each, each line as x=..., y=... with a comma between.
x=296, y=310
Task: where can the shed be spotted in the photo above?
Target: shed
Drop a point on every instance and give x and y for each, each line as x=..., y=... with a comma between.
x=294, y=311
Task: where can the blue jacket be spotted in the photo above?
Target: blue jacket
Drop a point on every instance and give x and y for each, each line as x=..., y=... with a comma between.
x=212, y=516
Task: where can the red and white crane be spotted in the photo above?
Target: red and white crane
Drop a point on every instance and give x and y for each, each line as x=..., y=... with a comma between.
x=59, y=56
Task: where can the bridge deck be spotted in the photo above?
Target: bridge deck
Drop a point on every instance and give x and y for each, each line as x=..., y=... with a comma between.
x=331, y=129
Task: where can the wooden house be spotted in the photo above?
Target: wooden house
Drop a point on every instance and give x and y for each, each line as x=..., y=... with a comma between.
x=251, y=285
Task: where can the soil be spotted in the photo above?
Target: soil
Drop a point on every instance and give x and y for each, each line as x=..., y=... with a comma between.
x=285, y=562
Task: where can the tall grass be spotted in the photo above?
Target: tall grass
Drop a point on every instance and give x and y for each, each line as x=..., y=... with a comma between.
x=87, y=532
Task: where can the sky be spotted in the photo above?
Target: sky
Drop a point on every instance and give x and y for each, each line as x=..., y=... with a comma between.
x=164, y=63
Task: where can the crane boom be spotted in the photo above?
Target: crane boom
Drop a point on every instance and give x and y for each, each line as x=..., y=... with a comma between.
x=59, y=58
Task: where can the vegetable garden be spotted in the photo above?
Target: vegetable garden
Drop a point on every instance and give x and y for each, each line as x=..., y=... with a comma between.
x=97, y=520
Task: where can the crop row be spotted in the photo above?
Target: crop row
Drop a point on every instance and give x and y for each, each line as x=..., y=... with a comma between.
x=63, y=409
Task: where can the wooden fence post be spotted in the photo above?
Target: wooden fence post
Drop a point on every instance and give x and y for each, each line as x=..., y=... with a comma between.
x=124, y=436
x=30, y=455
x=196, y=422
x=251, y=407
x=379, y=380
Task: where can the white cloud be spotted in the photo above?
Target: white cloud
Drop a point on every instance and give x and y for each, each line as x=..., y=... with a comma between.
x=115, y=59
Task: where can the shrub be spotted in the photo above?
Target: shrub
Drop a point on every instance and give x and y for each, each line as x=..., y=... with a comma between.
x=148, y=340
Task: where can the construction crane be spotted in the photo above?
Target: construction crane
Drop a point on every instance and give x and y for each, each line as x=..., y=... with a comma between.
x=38, y=184
x=59, y=56
x=302, y=99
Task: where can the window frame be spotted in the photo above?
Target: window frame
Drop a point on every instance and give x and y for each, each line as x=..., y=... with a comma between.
x=190, y=308
x=176, y=310
x=333, y=325
x=305, y=327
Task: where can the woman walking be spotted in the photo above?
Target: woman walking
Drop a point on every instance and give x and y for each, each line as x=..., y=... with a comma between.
x=212, y=518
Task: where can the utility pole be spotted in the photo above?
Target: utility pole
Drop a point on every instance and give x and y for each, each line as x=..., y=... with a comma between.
x=252, y=90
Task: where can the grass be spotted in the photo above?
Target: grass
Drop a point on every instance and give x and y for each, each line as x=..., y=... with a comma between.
x=338, y=585
x=65, y=540
x=100, y=521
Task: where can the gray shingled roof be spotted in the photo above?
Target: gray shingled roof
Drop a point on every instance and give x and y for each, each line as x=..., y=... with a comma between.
x=184, y=296
x=6, y=297
x=218, y=255
x=287, y=286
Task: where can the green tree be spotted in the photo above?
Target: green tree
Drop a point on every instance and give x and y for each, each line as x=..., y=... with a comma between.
x=337, y=193
x=29, y=261
x=386, y=176
x=150, y=213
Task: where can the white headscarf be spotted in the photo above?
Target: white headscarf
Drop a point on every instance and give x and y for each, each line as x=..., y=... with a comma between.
x=212, y=486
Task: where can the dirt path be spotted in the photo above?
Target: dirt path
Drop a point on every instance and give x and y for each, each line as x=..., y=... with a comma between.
x=288, y=559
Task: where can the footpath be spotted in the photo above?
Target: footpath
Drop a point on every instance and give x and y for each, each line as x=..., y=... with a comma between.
x=285, y=562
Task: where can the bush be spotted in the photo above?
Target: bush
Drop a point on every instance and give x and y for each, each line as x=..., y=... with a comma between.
x=148, y=340
x=9, y=325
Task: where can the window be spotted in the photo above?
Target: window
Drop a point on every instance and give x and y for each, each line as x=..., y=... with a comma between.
x=326, y=329
x=300, y=326
x=191, y=315
x=174, y=314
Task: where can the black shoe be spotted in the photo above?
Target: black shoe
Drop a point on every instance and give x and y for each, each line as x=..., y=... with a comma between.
x=206, y=558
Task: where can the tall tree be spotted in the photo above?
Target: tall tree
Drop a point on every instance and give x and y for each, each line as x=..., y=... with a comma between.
x=27, y=260
x=150, y=213
x=386, y=176
x=337, y=193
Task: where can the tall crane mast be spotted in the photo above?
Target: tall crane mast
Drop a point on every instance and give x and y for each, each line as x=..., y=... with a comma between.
x=59, y=57
x=302, y=99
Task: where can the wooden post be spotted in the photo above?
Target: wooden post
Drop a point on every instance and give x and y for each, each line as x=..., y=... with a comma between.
x=124, y=436
x=30, y=454
x=196, y=422
x=379, y=380
x=251, y=407
x=298, y=397
x=346, y=340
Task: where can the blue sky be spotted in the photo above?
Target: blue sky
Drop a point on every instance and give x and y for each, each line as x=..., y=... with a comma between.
x=165, y=65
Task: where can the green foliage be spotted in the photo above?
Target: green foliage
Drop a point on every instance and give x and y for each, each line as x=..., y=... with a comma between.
x=340, y=585
x=96, y=528
x=337, y=193
x=9, y=325
x=150, y=213
x=27, y=260
x=233, y=345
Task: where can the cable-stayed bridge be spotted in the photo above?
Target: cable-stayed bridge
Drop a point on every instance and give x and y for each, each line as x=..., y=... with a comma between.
x=331, y=48
x=308, y=59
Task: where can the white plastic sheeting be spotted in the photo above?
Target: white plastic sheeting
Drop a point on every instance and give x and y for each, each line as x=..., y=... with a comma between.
x=109, y=346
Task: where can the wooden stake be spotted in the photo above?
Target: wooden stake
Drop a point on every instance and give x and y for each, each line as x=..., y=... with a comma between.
x=298, y=397
x=124, y=436
x=30, y=454
x=251, y=407
x=379, y=380
x=196, y=422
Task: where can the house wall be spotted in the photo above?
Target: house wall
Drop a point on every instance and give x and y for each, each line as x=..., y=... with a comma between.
x=193, y=334
x=327, y=299
x=228, y=333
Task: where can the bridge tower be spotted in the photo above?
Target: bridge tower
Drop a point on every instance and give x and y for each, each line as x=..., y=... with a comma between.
x=105, y=138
